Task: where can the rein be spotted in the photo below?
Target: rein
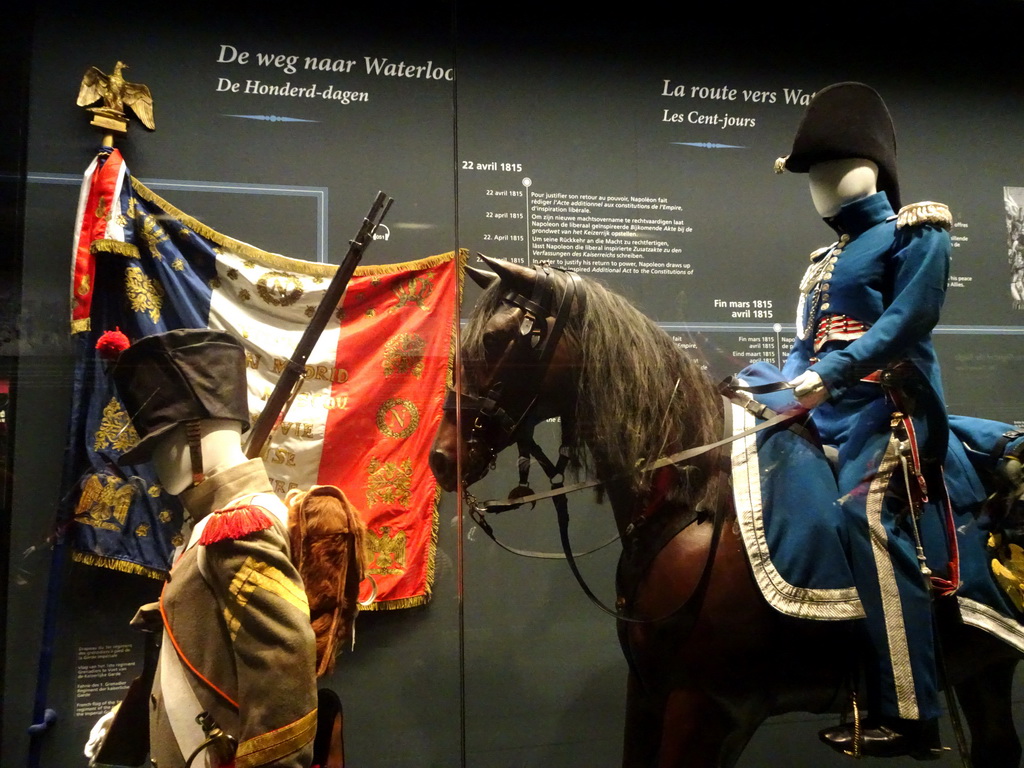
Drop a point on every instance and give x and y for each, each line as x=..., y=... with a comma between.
x=490, y=417
x=559, y=491
x=495, y=506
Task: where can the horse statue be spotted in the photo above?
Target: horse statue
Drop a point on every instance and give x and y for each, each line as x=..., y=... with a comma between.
x=708, y=659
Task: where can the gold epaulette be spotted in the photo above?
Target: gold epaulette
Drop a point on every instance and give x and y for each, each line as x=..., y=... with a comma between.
x=925, y=212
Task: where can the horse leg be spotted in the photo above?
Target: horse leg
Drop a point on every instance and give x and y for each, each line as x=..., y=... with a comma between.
x=643, y=727
x=985, y=700
x=694, y=729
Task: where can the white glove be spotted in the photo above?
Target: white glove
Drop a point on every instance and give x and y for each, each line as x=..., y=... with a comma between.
x=809, y=390
x=99, y=730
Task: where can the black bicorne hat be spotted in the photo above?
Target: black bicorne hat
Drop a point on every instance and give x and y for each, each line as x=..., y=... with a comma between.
x=847, y=120
x=184, y=375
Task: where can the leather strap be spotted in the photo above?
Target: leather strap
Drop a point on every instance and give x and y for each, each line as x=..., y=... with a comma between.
x=181, y=704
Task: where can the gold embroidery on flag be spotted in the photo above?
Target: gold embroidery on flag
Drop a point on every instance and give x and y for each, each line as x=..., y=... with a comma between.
x=415, y=291
x=389, y=483
x=142, y=531
x=153, y=234
x=115, y=430
x=403, y=353
x=104, y=502
x=145, y=295
x=178, y=265
x=279, y=289
x=389, y=551
x=398, y=418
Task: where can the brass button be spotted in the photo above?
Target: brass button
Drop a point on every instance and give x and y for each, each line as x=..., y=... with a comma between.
x=825, y=306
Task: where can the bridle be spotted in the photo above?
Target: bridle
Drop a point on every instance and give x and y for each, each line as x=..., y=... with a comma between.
x=502, y=415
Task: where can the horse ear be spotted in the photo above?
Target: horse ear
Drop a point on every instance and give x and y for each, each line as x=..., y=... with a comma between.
x=481, y=277
x=513, y=275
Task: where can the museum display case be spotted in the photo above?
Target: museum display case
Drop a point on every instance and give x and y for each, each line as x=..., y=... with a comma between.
x=197, y=168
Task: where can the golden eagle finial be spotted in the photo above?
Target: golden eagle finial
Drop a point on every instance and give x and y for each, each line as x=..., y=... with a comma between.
x=116, y=94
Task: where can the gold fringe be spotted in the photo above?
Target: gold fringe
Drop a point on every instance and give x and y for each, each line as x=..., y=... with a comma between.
x=79, y=326
x=395, y=605
x=387, y=269
x=124, y=566
x=116, y=247
x=926, y=212
x=276, y=260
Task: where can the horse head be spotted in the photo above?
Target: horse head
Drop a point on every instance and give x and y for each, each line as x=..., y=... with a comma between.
x=516, y=366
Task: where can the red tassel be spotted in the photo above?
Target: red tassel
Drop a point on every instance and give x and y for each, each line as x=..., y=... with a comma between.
x=234, y=523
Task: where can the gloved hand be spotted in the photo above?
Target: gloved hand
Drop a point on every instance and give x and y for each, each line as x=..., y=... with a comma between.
x=809, y=390
x=99, y=730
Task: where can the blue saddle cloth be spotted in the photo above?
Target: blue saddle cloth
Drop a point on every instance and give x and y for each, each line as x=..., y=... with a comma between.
x=786, y=499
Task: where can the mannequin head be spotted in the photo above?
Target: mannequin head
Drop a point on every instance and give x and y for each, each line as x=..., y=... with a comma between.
x=834, y=183
x=221, y=443
x=846, y=121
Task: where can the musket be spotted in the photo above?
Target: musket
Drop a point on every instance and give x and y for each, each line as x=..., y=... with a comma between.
x=291, y=375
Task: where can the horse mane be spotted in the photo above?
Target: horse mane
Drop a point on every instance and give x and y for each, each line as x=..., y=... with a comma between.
x=639, y=396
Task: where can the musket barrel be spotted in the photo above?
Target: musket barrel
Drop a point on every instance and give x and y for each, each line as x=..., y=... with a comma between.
x=333, y=296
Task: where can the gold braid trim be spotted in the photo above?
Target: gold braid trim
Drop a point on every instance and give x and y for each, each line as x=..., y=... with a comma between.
x=276, y=260
x=117, y=247
x=267, y=748
x=925, y=212
x=124, y=566
x=80, y=325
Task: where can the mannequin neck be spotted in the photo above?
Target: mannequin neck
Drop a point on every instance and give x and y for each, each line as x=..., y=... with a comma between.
x=834, y=183
x=221, y=444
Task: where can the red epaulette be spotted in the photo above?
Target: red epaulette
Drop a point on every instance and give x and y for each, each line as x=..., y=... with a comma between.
x=234, y=523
